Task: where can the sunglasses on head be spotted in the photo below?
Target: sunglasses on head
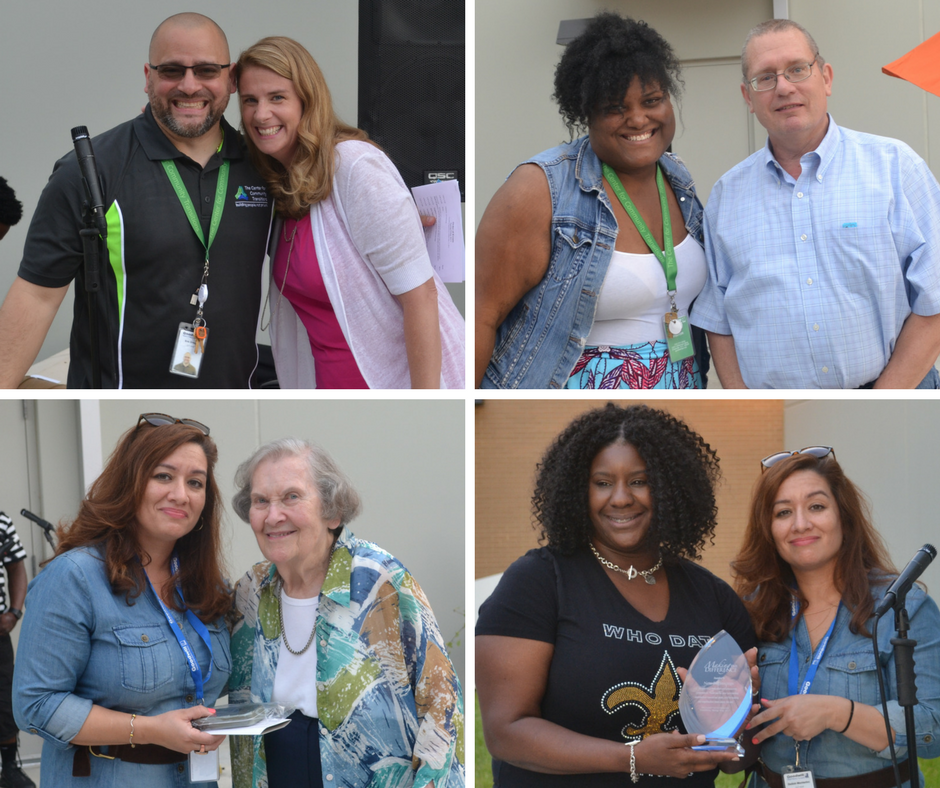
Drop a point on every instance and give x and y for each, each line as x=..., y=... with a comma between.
x=161, y=419
x=816, y=451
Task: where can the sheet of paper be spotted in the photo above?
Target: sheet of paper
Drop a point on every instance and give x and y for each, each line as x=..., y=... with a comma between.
x=445, y=239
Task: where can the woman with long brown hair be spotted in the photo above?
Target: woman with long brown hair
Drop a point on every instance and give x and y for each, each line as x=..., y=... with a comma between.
x=356, y=302
x=810, y=571
x=124, y=641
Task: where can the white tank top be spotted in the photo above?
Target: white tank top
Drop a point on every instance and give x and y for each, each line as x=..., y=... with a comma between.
x=295, y=680
x=633, y=298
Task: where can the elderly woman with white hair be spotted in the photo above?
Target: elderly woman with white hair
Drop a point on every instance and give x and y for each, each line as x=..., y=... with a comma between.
x=337, y=628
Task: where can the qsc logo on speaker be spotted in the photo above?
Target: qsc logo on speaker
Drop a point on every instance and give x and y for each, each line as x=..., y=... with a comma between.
x=435, y=176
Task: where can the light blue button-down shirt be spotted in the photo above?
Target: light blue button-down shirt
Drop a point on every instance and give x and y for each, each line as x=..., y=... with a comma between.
x=814, y=277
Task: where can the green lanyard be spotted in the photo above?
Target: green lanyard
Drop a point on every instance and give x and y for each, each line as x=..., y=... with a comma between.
x=666, y=258
x=183, y=196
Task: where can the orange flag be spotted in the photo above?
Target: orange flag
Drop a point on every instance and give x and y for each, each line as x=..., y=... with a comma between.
x=921, y=66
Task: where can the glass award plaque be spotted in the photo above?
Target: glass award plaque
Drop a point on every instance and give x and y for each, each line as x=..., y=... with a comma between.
x=716, y=696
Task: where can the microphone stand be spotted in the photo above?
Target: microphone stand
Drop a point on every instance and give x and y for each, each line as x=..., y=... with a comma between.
x=90, y=250
x=45, y=526
x=907, y=690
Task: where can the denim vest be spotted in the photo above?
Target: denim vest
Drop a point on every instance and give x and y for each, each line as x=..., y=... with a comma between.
x=541, y=339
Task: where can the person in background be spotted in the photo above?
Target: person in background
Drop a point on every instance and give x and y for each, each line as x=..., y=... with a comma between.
x=11, y=774
x=11, y=209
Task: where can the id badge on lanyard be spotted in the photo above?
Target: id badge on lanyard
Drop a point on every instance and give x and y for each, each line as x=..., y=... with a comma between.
x=798, y=776
x=675, y=322
x=191, y=337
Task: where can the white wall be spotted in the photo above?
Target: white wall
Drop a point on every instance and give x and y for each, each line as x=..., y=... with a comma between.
x=889, y=449
x=517, y=55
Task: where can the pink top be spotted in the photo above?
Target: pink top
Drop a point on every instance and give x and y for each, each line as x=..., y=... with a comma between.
x=306, y=291
x=370, y=247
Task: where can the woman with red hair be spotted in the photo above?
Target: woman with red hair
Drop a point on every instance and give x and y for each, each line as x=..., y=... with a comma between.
x=124, y=641
x=811, y=571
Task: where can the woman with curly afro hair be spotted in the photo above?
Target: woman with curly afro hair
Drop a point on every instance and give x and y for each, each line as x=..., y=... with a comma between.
x=579, y=648
x=590, y=254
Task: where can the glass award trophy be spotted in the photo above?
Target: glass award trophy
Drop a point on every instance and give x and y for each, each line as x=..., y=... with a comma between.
x=716, y=696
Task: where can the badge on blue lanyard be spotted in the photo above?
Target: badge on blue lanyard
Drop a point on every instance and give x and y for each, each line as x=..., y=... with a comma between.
x=798, y=776
x=196, y=624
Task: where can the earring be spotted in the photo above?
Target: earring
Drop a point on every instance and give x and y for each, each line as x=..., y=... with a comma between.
x=202, y=522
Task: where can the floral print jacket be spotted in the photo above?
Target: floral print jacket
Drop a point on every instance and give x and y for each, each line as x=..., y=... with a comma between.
x=389, y=702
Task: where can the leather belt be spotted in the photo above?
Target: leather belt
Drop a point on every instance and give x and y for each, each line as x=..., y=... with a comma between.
x=141, y=753
x=883, y=778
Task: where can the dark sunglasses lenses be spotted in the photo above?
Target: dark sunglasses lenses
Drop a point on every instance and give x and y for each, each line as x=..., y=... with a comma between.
x=773, y=459
x=174, y=73
x=161, y=419
x=815, y=451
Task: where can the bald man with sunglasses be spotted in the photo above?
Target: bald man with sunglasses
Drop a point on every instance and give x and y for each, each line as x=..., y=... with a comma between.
x=187, y=225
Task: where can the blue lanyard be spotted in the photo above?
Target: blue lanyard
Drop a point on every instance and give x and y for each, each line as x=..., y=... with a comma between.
x=181, y=638
x=793, y=677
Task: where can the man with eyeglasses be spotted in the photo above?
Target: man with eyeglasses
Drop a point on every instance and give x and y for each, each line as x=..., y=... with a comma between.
x=823, y=247
x=187, y=217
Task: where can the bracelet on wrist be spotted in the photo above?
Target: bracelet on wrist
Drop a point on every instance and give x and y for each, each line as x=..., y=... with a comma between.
x=634, y=777
x=133, y=717
x=851, y=714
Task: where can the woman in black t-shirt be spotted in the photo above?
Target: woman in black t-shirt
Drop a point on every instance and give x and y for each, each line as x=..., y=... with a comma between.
x=579, y=649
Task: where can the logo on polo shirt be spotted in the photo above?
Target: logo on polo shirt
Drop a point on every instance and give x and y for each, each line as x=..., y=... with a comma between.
x=251, y=197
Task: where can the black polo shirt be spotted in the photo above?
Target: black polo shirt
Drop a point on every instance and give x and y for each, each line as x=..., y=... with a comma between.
x=154, y=261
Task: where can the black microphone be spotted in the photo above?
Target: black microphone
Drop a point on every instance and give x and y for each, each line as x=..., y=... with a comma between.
x=44, y=524
x=86, y=161
x=899, y=588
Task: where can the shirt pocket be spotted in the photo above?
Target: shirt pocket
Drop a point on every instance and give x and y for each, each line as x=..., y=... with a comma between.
x=773, y=662
x=221, y=648
x=852, y=675
x=146, y=660
x=571, y=247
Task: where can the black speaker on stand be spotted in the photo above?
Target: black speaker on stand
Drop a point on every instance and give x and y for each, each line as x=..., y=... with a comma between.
x=411, y=85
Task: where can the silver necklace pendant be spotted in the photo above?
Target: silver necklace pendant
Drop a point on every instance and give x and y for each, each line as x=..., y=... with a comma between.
x=631, y=573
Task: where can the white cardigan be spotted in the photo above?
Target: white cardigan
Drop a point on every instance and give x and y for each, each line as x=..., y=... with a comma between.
x=370, y=247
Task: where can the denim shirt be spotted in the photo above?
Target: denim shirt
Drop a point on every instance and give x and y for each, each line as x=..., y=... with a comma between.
x=541, y=339
x=847, y=670
x=81, y=645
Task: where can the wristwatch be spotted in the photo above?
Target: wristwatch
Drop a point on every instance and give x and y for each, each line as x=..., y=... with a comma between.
x=16, y=612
